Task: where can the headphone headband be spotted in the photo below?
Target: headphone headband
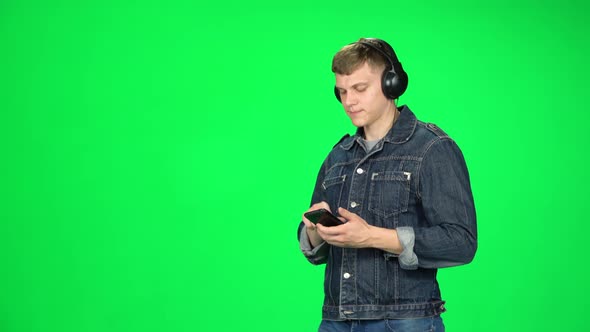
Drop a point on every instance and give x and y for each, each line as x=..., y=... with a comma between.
x=367, y=42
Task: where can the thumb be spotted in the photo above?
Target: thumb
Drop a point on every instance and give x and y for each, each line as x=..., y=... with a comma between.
x=345, y=213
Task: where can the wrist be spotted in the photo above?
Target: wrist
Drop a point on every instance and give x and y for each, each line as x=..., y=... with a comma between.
x=314, y=238
x=385, y=239
x=373, y=241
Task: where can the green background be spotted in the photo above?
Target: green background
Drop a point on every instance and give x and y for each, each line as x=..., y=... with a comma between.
x=156, y=157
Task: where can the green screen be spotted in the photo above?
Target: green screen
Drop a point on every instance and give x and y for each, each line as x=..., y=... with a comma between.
x=157, y=157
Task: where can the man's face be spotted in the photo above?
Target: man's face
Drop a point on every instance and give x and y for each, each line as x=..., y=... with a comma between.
x=362, y=97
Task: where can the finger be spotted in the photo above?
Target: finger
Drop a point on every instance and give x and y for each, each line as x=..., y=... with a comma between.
x=320, y=205
x=345, y=213
x=333, y=239
x=308, y=223
x=321, y=229
x=329, y=231
x=327, y=237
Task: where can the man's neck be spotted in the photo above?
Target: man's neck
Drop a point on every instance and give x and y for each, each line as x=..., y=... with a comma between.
x=379, y=129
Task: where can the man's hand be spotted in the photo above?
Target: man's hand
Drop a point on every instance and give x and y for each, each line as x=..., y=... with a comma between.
x=311, y=229
x=355, y=233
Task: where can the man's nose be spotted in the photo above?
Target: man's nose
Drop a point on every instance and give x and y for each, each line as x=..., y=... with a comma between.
x=350, y=99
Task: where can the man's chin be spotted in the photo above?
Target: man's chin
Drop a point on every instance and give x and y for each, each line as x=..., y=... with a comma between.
x=358, y=123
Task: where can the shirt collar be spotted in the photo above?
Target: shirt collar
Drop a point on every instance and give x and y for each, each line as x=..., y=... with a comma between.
x=400, y=133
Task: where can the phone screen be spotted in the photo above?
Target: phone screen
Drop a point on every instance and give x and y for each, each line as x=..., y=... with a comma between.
x=324, y=217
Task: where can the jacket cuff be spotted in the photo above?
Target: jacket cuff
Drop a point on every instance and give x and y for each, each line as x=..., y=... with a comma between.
x=314, y=255
x=407, y=259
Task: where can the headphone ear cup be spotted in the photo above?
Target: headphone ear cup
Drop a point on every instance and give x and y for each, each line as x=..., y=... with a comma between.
x=394, y=82
x=337, y=93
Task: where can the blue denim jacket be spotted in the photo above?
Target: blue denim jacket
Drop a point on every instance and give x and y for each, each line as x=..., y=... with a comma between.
x=414, y=180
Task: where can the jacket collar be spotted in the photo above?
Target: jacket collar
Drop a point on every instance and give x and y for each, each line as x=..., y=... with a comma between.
x=400, y=133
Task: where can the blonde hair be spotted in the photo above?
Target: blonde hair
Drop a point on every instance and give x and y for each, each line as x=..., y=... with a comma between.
x=354, y=55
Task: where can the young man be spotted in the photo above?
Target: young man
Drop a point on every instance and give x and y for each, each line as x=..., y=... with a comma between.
x=402, y=189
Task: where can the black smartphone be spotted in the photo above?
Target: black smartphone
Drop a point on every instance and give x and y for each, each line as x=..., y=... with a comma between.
x=324, y=217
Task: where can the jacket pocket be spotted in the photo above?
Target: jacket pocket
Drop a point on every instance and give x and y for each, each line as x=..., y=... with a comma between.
x=389, y=193
x=332, y=188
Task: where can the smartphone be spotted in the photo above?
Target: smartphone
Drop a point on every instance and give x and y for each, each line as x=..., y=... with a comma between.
x=324, y=217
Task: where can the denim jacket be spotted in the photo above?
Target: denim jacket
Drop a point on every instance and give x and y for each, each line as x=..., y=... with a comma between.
x=414, y=180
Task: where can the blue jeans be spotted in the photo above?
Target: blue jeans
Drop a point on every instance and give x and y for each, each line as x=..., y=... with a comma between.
x=429, y=324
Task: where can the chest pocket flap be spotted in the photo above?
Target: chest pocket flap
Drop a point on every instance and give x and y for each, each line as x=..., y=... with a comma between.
x=389, y=192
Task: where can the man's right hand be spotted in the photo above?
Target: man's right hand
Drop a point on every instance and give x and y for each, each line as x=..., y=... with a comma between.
x=314, y=238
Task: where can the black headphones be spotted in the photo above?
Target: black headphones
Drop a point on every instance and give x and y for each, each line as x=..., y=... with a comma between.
x=394, y=80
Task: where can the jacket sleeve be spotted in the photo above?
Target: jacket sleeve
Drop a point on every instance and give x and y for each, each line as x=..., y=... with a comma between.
x=319, y=254
x=450, y=237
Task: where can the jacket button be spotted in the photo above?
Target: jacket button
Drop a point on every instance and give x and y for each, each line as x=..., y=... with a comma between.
x=360, y=171
x=346, y=275
x=353, y=204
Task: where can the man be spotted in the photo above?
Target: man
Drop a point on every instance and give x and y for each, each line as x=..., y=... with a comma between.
x=402, y=188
